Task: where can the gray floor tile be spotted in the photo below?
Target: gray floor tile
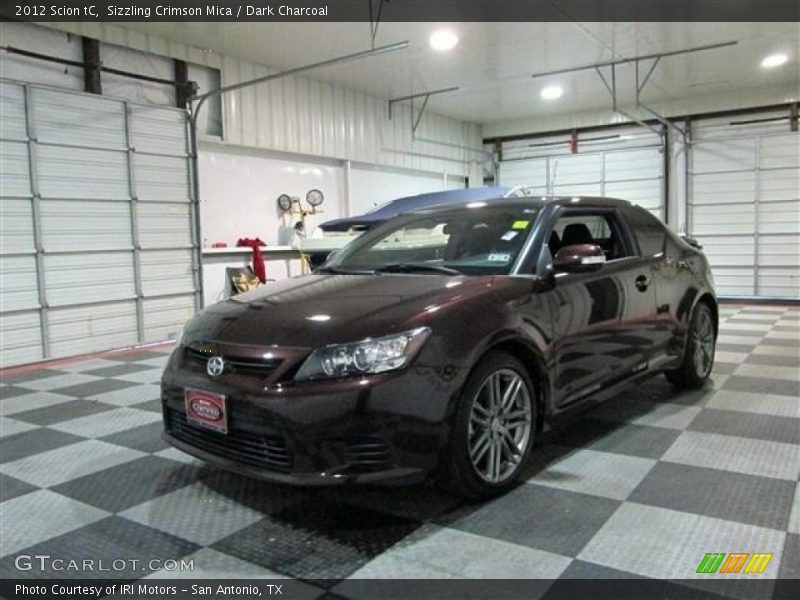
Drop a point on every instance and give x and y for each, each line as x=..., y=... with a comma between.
x=667, y=544
x=135, y=482
x=119, y=369
x=151, y=405
x=146, y=438
x=596, y=473
x=770, y=372
x=606, y=436
x=195, y=513
x=50, y=468
x=34, y=442
x=775, y=360
x=107, y=422
x=139, y=355
x=130, y=396
x=777, y=341
x=54, y=514
x=741, y=455
x=93, y=388
x=88, y=365
x=580, y=569
x=63, y=411
x=65, y=381
x=11, y=487
x=32, y=375
x=11, y=391
x=535, y=516
x=724, y=368
x=765, y=404
x=794, y=519
x=762, y=385
x=790, y=558
x=109, y=537
x=738, y=348
x=30, y=401
x=9, y=427
x=152, y=375
x=751, y=425
x=761, y=501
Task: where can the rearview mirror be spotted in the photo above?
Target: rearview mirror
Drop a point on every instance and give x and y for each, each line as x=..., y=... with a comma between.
x=579, y=258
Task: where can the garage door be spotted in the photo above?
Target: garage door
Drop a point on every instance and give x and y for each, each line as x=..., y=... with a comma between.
x=621, y=163
x=745, y=203
x=96, y=224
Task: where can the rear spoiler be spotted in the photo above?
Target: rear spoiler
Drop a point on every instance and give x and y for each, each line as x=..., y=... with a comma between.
x=692, y=242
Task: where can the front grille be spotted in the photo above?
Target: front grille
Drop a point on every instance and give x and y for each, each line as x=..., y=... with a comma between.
x=260, y=368
x=368, y=454
x=252, y=448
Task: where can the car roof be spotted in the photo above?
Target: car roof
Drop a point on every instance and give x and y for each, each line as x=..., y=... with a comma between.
x=531, y=202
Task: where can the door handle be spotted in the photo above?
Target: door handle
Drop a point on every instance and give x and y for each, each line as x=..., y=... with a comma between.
x=642, y=282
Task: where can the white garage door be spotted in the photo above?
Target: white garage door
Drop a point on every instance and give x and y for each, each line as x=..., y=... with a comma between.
x=745, y=204
x=96, y=224
x=621, y=163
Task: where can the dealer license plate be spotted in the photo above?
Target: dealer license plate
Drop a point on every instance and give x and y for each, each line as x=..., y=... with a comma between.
x=206, y=409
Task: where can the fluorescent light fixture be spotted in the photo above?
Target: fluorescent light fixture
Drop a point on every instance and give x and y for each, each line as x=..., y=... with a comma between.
x=476, y=204
x=552, y=92
x=319, y=318
x=774, y=60
x=443, y=40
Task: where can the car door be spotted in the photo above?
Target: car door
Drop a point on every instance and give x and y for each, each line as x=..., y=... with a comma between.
x=601, y=318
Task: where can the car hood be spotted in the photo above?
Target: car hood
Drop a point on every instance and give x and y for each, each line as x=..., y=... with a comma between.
x=322, y=309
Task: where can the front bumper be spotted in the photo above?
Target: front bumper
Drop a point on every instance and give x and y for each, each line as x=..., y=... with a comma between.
x=388, y=428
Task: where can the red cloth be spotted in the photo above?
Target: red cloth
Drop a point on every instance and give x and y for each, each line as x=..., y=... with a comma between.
x=258, y=260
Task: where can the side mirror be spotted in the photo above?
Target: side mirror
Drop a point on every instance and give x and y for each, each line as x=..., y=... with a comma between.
x=579, y=258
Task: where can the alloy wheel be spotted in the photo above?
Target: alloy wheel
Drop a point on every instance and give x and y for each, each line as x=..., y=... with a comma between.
x=703, y=342
x=500, y=425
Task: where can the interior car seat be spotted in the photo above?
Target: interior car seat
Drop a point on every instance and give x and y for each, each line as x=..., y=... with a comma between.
x=576, y=233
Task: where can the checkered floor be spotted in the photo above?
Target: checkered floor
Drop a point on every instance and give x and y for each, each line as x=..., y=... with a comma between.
x=644, y=485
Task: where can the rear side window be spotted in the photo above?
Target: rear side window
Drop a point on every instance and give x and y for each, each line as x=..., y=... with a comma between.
x=649, y=231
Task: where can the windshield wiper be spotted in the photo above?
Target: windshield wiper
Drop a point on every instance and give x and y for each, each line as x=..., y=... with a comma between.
x=416, y=267
x=338, y=271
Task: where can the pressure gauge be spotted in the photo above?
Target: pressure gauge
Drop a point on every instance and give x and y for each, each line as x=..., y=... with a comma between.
x=284, y=202
x=314, y=198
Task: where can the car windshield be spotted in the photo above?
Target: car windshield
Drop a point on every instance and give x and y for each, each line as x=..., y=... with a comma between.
x=482, y=240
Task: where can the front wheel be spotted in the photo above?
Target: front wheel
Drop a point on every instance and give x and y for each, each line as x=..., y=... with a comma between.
x=494, y=428
x=698, y=360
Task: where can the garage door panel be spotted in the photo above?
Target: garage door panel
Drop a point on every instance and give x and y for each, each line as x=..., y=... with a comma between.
x=729, y=251
x=82, y=173
x=642, y=163
x=523, y=172
x=778, y=185
x=779, y=250
x=575, y=189
x=723, y=156
x=78, y=119
x=89, y=277
x=15, y=177
x=778, y=151
x=164, y=225
x=727, y=219
x=20, y=338
x=12, y=116
x=95, y=225
x=16, y=225
x=166, y=272
x=734, y=281
x=644, y=193
x=779, y=217
x=783, y=282
x=78, y=330
x=18, y=282
x=164, y=317
x=719, y=188
x=162, y=178
x=577, y=168
x=158, y=130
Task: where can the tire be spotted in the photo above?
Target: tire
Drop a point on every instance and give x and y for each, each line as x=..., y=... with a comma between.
x=698, y=360
x=487, y=449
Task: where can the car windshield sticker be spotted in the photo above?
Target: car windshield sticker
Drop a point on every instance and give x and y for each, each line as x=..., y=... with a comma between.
x=495, y=257
x=509, y=235
x=520, y=224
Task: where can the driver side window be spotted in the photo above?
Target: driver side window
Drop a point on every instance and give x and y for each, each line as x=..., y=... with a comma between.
x=596, y=228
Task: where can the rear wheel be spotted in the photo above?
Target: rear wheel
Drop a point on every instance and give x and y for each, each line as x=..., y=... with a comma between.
x=494, y=429
x=698, y=359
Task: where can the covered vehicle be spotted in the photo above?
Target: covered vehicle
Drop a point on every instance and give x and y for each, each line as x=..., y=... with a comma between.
x=390, y=209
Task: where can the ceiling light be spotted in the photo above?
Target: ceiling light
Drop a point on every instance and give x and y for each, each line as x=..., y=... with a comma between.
x=319, y=318
x=552, y=92
x=443, y=40
x=774, y=60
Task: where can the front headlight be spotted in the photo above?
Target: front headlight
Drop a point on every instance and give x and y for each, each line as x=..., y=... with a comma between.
x=370, y=356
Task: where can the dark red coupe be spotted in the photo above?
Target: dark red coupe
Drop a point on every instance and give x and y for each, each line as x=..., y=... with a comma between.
x=441, y=343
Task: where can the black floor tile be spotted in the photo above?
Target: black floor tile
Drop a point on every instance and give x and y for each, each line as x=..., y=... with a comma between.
x=775, y=360
x=64, y=411
x=10, y=391
x=748, y=425
x=134, y=482
x=146, y=438
x=11, y=487
x=609, y=436
x=761, y=501
x=93, y=388
x=141, y=355
x=540, y=517
x=116, y=370
x=31, y=376
x=762, y=385
x=35, y=441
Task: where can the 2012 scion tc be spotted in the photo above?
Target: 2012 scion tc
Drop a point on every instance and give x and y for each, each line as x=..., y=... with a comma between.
x=441, y=343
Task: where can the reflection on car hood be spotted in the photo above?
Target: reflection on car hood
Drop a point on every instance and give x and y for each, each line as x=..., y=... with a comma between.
x=326, y=309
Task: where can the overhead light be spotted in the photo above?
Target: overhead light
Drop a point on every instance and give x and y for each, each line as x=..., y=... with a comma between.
x=443, y=40
x=476, y=204
x=774, y=60
x=319, y=318
x=552, y=92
